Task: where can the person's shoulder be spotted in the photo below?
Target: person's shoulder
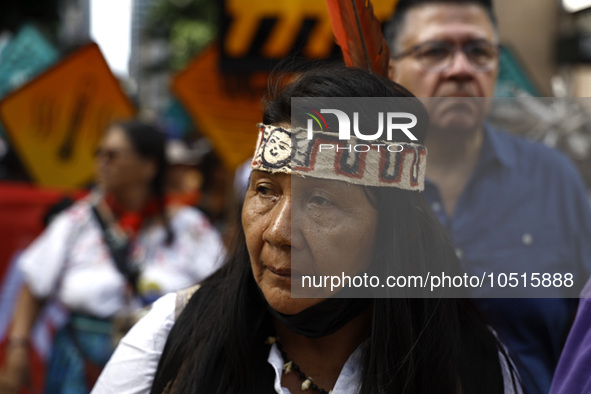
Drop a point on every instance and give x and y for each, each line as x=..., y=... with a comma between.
x=182, y=299
x=70, y=218
x=534, y=156
x=153, y=328
x=525, y=148
x=151, y=331
x=133, y=365
x=79, y=211
x=191, y=218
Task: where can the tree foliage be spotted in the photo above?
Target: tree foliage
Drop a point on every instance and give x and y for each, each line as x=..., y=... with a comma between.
x=188, y=25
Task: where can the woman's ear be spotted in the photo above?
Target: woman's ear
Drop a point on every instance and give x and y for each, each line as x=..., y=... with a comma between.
x=149, y=169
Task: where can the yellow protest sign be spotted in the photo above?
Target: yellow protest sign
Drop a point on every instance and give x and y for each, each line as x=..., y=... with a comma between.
x=55, y=121
x=246, y=17
x=227, y=116
x=227, y=119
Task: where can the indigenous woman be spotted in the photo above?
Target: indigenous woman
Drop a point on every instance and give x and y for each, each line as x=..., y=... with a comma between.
x=243, y=331
x=106, y=256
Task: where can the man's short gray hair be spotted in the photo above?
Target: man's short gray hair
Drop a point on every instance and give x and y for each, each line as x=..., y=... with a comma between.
x=395, y=26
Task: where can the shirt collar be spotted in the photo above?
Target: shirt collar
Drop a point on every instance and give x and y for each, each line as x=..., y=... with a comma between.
x=494, y=149
x=348, y=382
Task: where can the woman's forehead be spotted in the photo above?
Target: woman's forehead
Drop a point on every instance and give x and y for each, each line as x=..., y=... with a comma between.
x=116, y=135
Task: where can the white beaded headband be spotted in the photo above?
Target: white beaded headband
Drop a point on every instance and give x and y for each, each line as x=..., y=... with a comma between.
x=322, y=155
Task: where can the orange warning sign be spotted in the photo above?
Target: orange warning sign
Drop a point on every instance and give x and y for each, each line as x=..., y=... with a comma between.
x=226, y=115
x=228, y=119
x=246, y=17
x=55, y=121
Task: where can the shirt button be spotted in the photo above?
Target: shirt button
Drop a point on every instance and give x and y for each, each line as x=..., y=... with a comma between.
x=436, y=207
x=459, y=253
x=527, y=239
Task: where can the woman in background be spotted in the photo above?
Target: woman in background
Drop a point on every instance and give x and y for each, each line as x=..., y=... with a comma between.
x=105, y=257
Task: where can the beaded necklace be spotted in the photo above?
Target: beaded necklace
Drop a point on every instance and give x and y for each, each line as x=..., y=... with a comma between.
x=307, y=382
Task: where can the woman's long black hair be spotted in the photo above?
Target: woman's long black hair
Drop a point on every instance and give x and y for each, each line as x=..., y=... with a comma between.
x=149, y=142
x=416, y=345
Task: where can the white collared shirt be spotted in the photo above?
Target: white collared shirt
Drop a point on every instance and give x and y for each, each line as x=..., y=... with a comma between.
x=348, y=381
x=132, y=367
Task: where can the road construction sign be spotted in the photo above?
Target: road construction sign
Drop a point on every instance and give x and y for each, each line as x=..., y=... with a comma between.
x=228, y=119
x=222, y=88
x=253, y=32
x=55, y=121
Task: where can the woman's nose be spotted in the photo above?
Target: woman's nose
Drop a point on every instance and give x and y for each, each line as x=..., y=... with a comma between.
x=278, y=233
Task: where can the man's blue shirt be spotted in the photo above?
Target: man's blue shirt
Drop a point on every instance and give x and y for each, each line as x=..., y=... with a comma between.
x=524, y=209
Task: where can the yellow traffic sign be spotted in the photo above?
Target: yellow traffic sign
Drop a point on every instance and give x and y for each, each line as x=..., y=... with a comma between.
x=55, y=121
x=227, y=119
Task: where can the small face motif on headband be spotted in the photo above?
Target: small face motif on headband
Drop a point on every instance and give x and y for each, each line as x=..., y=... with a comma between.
x=277, y=148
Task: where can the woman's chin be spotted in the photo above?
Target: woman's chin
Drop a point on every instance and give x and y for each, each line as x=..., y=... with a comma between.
x=281, y=301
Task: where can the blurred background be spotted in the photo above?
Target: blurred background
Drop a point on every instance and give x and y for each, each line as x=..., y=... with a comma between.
x=198, y=68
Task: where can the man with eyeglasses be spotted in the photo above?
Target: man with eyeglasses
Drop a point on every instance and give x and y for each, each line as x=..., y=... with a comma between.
x=508, y=204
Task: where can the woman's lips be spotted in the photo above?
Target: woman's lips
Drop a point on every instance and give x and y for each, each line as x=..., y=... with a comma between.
x=286, y=273
x=283, y=272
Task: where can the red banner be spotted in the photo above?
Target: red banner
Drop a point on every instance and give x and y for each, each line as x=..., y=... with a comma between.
x=22, y=209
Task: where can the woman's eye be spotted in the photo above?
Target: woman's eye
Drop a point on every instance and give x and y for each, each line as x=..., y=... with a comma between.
x=265, y=191
x=321, y=201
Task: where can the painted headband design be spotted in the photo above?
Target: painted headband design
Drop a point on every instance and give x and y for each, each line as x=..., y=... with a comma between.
x=322, y=155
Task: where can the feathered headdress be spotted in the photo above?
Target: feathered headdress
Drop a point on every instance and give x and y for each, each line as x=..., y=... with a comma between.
x=359, y=34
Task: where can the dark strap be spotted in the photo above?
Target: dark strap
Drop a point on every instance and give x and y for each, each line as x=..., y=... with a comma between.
x=182, y=299
x=119, y=250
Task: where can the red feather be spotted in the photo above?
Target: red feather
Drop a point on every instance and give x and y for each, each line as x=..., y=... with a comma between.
x=359, y=34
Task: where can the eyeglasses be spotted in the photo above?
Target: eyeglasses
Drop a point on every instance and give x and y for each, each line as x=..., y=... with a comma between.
x=437, y=56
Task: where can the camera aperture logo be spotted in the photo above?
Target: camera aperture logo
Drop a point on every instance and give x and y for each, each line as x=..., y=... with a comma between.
x=388, y=122
x=317, y=117
x=341, y=144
